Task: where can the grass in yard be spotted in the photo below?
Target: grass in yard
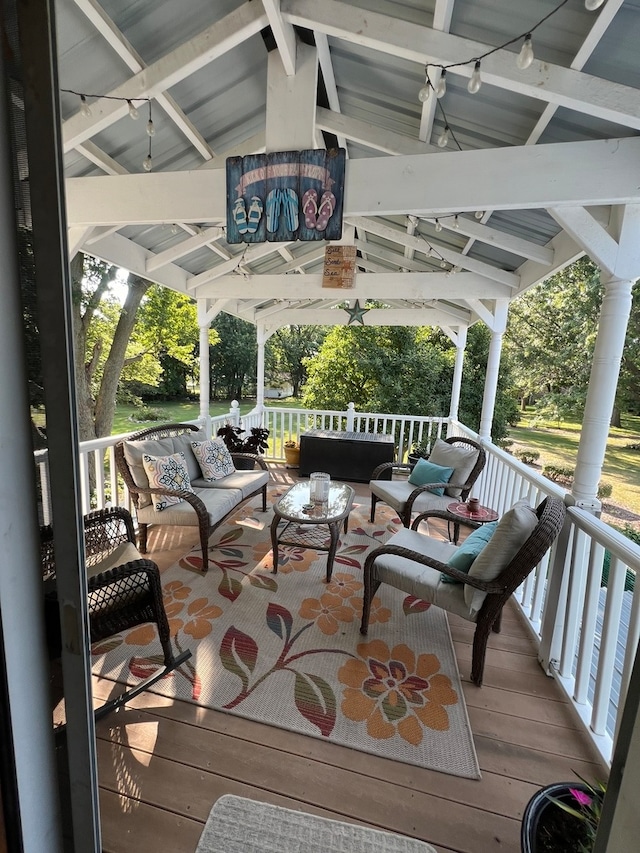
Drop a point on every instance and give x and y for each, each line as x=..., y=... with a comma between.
x=558, y=445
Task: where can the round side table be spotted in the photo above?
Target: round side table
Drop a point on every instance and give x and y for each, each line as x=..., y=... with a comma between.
x=461, y=511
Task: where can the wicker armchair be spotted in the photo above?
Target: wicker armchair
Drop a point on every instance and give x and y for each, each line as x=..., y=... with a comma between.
x=120, y=595
x=210, y=502
x=407, y=498
x=414, y=563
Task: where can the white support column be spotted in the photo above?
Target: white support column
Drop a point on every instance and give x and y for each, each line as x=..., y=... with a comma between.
x=605, y=368
x=456, y=383
x=262, y=339
x=204, y=377
x=493, y=368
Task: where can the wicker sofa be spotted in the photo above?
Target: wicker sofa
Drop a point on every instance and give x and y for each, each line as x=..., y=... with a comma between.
x=207, y=503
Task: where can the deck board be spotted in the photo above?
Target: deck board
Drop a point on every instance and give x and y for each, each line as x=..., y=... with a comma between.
x=163, y=763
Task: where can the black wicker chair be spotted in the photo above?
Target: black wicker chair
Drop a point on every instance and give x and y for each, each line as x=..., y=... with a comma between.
x=119, y=597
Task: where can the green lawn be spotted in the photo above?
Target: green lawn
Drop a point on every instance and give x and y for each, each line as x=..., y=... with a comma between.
x=558, y=445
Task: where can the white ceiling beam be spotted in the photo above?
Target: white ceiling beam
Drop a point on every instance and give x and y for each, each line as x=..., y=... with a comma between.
x=542, y=176
x=100, y=158
x=112, y=35
x=252, y=252
x=626, y=227
x=441, y=21
x=412, y=286
x=565, y=252
x=588, y=233
x=122, y=252
x=386, y=254
x=254, y=145
x=544, y=81
x=185, y=60
x=373, y=317
x=494, y=237
x=326, y=67
x=371, y=135
x=291, y=102
x=284, y=34
x=183, y=248
x=373, y=226
x=76, y=238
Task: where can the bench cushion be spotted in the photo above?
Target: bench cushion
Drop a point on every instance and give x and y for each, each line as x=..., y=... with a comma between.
x=219, y=502
x=247, y=482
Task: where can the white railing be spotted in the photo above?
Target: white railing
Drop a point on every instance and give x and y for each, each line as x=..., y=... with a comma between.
x=587, y=634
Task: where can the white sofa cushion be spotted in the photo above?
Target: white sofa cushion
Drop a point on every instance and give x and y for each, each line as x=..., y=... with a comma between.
x=218, y=502
x=124, y=553
x=395, y=493
x=247, y=482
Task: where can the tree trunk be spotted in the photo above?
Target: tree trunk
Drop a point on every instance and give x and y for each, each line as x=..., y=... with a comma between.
x=615, y=417
x=106, y=401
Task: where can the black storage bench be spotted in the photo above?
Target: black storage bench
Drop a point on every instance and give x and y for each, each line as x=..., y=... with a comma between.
x=344, y=455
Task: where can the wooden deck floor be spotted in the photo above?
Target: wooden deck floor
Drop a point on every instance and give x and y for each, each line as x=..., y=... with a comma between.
x=163, y=763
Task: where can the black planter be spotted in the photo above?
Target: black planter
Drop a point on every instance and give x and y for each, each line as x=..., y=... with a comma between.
x=546, y=828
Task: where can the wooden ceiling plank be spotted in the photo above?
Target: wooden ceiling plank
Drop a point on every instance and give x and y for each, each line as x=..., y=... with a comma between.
x=284, y=34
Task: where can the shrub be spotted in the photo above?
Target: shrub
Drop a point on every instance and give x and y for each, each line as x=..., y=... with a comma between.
x=558, y=473
x=145, y=413
x=528, y=457
x=634, y=446
x=504, y=444
x=604, y=490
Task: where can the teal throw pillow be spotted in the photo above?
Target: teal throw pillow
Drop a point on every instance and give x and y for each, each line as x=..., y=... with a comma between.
x=425, y=473
x=469, y=550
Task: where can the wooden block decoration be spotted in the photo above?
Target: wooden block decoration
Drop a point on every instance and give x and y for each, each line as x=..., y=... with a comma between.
x=285, y=196
x=339, y=266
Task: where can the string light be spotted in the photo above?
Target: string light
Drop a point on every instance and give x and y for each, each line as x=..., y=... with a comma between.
x=523, y=59
x=85, y=110
x=475, y=80
x=443, y=139
x=479, y=214
x=438, y=226
x=592, y=5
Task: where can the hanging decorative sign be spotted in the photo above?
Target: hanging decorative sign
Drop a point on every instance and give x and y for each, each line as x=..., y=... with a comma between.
x=285, y=196
x=339, y=266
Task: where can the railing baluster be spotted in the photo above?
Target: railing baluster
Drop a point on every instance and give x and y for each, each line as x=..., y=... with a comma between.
x=608, y=644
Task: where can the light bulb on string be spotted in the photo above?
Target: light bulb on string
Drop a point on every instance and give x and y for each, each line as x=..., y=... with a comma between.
x=133, y=112
x=174, y=228
x=592, y=5
x=479, y=214
x=475, y=81
x=443, y=264
x=443, y=139
x=150, y=128
x=441, y=88
x=147, y=163
x=456, y=224
x=423, y=94
x=438, y=226
x=525, y=57
x=85, y=109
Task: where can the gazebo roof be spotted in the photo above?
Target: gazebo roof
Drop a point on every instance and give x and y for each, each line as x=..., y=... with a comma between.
x=543, y=163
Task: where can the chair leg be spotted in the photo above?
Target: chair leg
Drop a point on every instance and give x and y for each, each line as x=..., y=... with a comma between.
x=374, y=501
x=142, y=538
x=204, y=544
x=370, y=588
x=480, y=638
x=264, y=499
x=497, y=623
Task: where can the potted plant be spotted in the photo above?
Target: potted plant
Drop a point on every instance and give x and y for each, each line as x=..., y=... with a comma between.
x=419, y=450
x=255, y=442
x=292, y=453
x=562, y=818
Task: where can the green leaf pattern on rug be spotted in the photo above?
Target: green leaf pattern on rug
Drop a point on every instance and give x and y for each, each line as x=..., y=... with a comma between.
x=316, y=701
x=238, y=653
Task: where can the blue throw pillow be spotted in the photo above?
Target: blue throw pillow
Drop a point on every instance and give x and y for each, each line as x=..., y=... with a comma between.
x=469, y=550
x=425, y=473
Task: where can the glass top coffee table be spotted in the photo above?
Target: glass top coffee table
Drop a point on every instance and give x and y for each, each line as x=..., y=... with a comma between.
x=298, y=522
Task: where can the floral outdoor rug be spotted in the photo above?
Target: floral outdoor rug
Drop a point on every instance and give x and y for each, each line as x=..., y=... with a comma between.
x=286, y=649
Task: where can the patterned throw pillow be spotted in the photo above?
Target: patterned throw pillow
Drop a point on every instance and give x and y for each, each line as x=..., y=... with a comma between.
x=214, y=458
x=167, y=472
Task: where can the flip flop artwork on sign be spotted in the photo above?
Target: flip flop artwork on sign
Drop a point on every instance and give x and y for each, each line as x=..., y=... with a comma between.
x=285, y=196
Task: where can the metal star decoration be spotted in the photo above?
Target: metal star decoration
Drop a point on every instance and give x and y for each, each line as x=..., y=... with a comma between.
x=356, y=313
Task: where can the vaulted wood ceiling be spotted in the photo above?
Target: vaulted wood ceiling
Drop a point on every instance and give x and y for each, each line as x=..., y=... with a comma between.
x=543, y=164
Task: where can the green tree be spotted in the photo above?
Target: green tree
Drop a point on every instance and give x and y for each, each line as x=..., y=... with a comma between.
x=287, y=351
x=233, y=361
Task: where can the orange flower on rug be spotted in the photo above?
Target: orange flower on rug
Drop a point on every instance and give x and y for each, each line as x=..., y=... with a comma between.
x=286, y=649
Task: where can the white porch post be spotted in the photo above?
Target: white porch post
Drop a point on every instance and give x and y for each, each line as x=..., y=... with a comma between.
x=261, y=334
x=456, y=383
x=493, y=368
x=205, y=379
x=605, y=368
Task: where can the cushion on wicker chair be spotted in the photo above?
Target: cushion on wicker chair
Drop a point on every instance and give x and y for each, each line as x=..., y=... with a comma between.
x=512, y=531
x=471, y=548
x=460, y=458
x=426, y=472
